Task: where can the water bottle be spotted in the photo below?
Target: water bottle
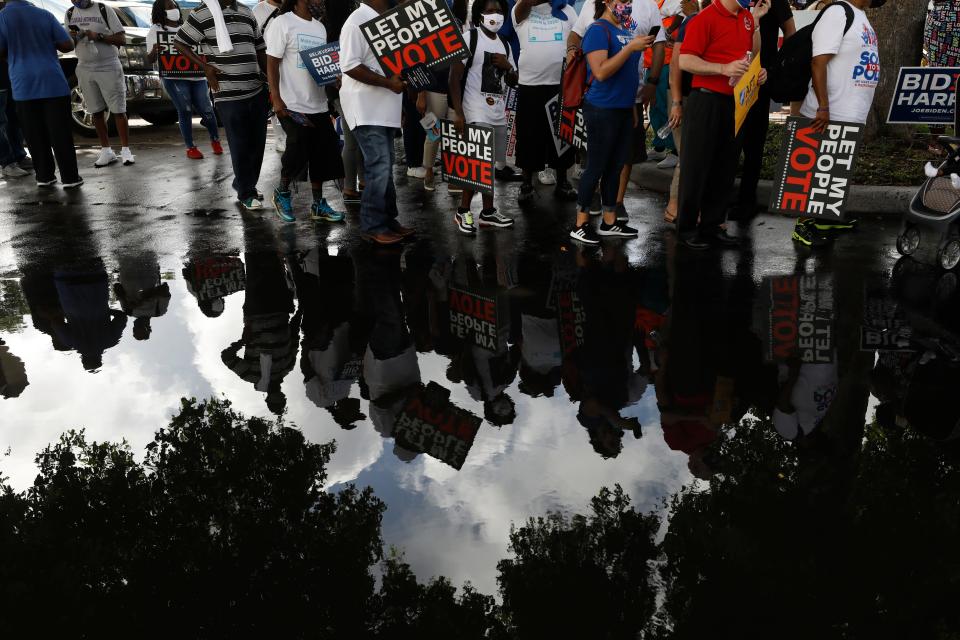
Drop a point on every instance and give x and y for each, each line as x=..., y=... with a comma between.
x=664, y=131
x=747, y=57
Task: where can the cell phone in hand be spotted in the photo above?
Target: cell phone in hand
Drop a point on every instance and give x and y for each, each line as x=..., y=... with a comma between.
x=654, y=31
x=299, y=118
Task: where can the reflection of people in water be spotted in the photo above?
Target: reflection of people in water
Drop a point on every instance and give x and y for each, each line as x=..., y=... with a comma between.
x=13, y=374
x=141, y=293
x=269, y=339
x=329, y=361
x=806, y=391
x=210, y=278
x=540, y=355
x=89, y=325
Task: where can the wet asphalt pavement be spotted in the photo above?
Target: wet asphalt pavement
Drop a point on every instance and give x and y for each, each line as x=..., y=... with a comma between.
x=150, y=284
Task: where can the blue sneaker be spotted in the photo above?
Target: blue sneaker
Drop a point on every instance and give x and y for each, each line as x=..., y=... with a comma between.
x=283, y=203
x=321, y=210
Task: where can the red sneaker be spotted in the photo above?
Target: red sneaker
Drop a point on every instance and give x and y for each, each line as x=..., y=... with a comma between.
x=194, y=154
x=217, y=149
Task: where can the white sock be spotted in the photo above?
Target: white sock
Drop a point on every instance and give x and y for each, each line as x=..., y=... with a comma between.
x=122, y=149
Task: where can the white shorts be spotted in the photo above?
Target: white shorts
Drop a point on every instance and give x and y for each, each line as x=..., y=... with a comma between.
x=103, y=90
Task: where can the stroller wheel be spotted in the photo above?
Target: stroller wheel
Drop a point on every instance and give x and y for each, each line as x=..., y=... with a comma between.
x=908, y=241
x=949, y=255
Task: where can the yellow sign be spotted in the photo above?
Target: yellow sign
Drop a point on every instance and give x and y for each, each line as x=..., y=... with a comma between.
x=745, y=94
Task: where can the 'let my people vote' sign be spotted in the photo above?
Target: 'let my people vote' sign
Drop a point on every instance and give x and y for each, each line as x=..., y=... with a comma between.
x=467, y=159
x=415, y=33
x=171, y=63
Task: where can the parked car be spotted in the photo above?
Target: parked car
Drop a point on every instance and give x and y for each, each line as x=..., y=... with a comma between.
x=145, y=95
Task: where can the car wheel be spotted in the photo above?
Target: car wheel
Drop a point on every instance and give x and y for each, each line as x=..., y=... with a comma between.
x=949, y=255
x=908, y=241
x=81, y=118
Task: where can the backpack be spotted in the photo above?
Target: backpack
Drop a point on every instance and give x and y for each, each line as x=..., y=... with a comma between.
x=789, y=78
x=573, y=78
x=471, y=52
x=103, y=14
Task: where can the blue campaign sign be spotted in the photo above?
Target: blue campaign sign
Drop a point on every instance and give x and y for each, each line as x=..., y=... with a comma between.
x=323, y=62
x=924, y=95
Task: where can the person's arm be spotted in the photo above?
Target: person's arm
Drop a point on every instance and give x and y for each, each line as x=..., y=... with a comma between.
x=818, y=69
x=366, y=76
x=788, y=27
x=456, y=95
x=352, y=46
x=700, y=67
x=676, y=95
x=648, y=95
x=604, y=67
x=117, y=36
x=153, y=51
x=273, y=79
x=522, y=11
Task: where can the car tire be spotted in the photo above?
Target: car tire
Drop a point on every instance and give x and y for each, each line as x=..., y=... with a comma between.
x=161, y=118
x=80, y=118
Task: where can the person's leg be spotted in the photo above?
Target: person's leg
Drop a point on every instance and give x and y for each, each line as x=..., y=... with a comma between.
x=6, y=147
x=719, y=181
x=33, y=121
x=14, y=134
x=179, y=92
x=597, y=149
x=695, y=165
x=324, y=164
x=235, y=117
x=617, y=153
x=531, y=153
x=637, y=142
x=413, y=134
x=753, y=136
x=57, y=118
x=350, y=156
x=375, y=146
x=200, y=99
x=437, y=105
x=122, y=129
x=670, y=214
x=259, y=108
x=660, y=110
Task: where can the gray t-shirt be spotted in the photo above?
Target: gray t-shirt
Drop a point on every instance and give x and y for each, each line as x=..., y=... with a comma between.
x=91, y=55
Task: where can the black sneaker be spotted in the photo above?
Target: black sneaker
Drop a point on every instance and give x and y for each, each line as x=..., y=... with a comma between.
x=806, y=234
x=526, y=195
x=826, y=226
x=464, y=220
x=491, y=218
x=565, y=192
x=694, y=243
x=507, y=174
x=617, y=229
x=723, y=239
x=585, y=234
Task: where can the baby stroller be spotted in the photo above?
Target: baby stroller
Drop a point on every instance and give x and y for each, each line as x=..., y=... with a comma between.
x=934, y=214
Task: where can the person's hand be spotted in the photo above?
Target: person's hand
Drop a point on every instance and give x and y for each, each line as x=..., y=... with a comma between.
x=821, y=120
x=422, y=102
x=676, y=115
x=500, y=61
x=211, y=72
x=279, y=106
x=762, y=79
x=570, y=54
x=396, y=84
x=459, y=123
x=339, y=82
x=735, y=69
x=648, y=95
x=760, y=9
x=640, y=43
x=91, y=35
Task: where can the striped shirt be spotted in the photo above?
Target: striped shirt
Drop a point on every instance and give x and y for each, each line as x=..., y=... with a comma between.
x=240, y=76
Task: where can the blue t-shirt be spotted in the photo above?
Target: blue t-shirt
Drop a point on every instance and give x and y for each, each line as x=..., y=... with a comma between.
x=619, y=91
x=29, y=35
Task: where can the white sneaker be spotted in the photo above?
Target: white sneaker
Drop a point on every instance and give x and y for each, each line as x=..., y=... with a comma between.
x=417, y=172
x=252, y=204
x=127, y=156
x=13, y=170
x=656, y=156
x=107, y=156
x=547, y=176
x=669, y=162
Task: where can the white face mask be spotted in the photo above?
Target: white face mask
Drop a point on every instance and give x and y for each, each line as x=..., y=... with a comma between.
x=173, y=15
x=493, y=21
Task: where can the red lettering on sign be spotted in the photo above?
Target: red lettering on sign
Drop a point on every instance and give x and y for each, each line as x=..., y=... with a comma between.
x=423, y=50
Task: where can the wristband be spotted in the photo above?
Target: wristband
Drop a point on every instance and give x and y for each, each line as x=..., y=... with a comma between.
x=823, y=109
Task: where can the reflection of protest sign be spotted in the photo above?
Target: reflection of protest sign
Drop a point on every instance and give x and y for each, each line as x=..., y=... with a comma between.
x=572, y=128
x=467, y=160
x=215, y=277
x=553, y=117
x=571, y=320
x=924, y=95
x=745, y=94
x=414, y=33
x=884, y=328
x=172, y=63
x=480, y=318
x=815, y=169
x=510, y=111
x=800, y=318
x=323, y=62
x=431, y=424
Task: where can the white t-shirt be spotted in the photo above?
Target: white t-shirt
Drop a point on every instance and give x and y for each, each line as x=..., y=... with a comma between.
x=262, y=11
x=543, y=44
x=485, y=93
x=813, y=392
x=152, y=40
x=286, y=37
x=854, y=70
x=364, y=104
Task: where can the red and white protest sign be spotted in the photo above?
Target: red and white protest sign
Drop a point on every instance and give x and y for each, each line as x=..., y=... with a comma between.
x=467, y=159
x=430, y=423
x=170, y=62
x=418, y=33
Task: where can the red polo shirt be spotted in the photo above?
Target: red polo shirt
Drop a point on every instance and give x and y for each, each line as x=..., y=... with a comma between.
x=716, y=35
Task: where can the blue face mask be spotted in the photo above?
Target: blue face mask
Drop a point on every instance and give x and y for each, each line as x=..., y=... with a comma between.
x=744, y=4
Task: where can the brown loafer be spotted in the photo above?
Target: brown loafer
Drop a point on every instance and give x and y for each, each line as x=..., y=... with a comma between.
x=400, y=230
x=384, y=237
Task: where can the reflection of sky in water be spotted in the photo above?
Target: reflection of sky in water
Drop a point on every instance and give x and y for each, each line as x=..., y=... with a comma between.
x=446, y=522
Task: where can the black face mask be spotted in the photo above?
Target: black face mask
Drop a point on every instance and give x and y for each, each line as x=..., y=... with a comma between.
x=316, y=10
x=876, y=4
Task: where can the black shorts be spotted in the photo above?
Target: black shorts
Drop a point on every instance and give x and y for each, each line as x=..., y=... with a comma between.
x=535, y=144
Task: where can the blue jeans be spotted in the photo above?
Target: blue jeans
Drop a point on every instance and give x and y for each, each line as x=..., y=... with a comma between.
x=245, y=122
x=608, y=149
x=11, y=140
x=378, y=206
x=189, y=97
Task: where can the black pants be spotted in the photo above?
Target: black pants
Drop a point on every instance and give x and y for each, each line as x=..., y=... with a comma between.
x=535, y=146
x=413, y=134
x=708, y=163
x=753, y=136
x=245, y=122
x=313, y=147
x=48, y=132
